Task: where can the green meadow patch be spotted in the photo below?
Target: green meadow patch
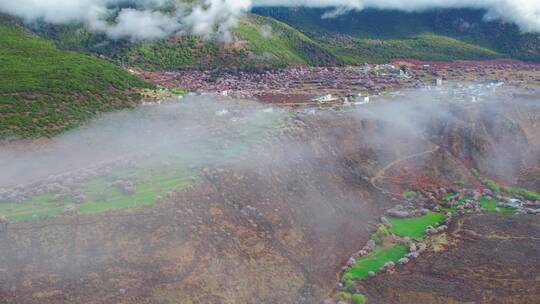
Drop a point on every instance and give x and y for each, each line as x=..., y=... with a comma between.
x=490, y=205
x=530, y=195
x=374, y=261
x=102, y=197
x=448, y=196
x=151, y=181
x=414, y=227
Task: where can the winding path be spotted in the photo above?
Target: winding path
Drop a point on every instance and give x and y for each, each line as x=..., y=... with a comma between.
x=380, y=174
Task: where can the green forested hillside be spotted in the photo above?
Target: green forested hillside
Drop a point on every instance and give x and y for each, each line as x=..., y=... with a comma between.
x=258, y=41
x=44, y=90
x=281, y=36
x=352, y=50
x=376, y=35
x=272, y=40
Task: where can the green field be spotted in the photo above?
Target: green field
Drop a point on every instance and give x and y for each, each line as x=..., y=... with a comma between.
x=448, y=196
x=153, y=180
x=530, y=195
x=374, y=261
x=490, y=205
x=414, y=227
x=102, y=197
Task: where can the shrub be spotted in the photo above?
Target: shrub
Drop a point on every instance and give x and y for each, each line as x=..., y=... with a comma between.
x=492, y=185
x=410, y=194
x=342, y=295
x=382, y=231
x=376, y=238
x=358, y=298
x=348, y=284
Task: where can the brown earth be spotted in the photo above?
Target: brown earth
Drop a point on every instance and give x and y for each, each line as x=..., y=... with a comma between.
x=277, y=227
x=485, y=259
x=274, y=234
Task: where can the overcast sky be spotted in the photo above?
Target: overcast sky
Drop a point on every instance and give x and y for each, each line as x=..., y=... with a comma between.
x=219, y=16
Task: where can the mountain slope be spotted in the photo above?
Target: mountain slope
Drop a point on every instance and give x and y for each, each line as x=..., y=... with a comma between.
x=276, y=36
x=257, y=41
x=44, y=90
x=354, y=50
x=269, y=39
x=441, y=34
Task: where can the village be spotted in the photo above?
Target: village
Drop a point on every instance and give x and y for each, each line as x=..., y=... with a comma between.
x=356, y=85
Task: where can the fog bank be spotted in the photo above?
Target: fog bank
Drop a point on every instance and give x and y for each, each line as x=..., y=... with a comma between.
x=153, y=19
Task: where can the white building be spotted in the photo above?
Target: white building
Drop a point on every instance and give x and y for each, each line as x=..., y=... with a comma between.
x=360, y=99
x=324, y=98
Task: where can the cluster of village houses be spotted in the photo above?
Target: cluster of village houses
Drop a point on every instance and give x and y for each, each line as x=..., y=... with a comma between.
x=300, y=79
x=347, y=86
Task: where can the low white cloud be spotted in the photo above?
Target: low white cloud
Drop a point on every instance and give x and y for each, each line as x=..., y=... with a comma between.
x=135, y=19
x=525, y=13
x=141, y=25
x=216, y=17
x=145, y=19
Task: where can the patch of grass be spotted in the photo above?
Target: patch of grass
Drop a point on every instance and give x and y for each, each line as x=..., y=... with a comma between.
x=375, y=260
x=465, y=198
x=530, y=195
x=448, y=196
x=414, y=227
x=489, y=205
x=526, y=194
x=151, y=181
x=38, y=207
x=102, y=197
x=493, y=186
x=507, y=210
